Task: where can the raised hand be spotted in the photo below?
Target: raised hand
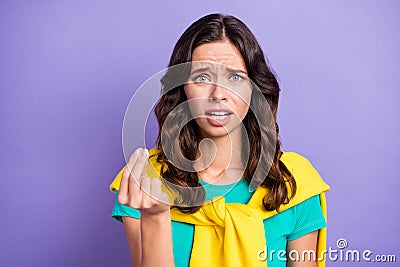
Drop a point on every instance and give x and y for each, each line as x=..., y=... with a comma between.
x=140, y=192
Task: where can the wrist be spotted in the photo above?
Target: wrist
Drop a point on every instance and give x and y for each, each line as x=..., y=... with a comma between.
x=156, y=218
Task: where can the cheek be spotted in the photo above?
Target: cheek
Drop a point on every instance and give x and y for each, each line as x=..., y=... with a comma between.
x=191, y=92
x=193, y=101
x=187, y=91
x=243, y=109
x=242, y=103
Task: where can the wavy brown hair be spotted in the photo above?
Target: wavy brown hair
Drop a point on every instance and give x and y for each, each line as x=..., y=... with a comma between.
x=279, y=180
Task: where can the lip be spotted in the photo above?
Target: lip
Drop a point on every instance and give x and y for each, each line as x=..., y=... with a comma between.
x=218, y=123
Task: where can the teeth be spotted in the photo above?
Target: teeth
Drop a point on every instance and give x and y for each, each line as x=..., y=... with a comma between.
x=219, y=113
x=218, y=117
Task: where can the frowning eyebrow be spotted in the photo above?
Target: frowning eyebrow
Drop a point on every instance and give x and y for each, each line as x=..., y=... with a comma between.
x=207, y=69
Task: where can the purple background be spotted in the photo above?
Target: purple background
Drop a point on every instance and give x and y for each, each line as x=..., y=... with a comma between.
x=69, y=68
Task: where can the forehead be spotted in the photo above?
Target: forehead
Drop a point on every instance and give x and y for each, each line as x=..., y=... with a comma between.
x=223, y=52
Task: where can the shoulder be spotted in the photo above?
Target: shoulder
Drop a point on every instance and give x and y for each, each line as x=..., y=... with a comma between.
x=302, y=169
x=308, y=181
x=295, y=160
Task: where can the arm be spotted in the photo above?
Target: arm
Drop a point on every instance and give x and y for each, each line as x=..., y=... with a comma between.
x=132, y=230
x=301, y=252
x=150, y=238
x=157, y=241
x=153, y=231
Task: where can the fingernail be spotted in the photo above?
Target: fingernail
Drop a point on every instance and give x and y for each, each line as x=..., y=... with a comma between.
x=145, y=152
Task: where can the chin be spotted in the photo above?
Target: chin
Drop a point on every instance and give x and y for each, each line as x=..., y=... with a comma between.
x=215, y=134
x=210, y=132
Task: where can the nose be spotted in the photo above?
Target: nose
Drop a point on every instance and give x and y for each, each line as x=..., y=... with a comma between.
x=218, y=93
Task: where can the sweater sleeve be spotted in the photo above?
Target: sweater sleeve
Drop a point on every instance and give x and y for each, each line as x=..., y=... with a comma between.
x=308, y=218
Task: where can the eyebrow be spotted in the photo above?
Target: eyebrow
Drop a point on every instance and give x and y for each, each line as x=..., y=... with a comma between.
x=205, y=69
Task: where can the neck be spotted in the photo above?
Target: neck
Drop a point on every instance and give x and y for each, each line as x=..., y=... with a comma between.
x=224, y=158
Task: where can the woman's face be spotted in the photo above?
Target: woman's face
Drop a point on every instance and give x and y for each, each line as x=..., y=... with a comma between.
x=218, y=89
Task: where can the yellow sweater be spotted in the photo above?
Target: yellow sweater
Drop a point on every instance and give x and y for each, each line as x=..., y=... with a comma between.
x=235, y=230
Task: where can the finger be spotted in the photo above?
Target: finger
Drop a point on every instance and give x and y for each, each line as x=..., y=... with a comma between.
x=164, y=198
x=146, y=162
x=156, y=187
x=132, y=163
x=131, y=193
x=123, y=194
x=123, y=188
x=145, y=187
x=157, y=192
x=141, y=162
x=134, y=192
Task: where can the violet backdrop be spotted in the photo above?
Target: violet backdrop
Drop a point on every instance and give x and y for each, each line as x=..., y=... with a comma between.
x=69, y=68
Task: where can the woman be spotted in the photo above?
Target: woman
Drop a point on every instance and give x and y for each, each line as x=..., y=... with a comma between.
x=216, y=96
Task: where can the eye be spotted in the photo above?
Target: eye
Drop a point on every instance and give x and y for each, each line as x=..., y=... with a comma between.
x=201, y=79
x=236, y=77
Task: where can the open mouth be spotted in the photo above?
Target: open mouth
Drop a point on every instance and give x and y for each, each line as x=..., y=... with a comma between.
x=218, y=117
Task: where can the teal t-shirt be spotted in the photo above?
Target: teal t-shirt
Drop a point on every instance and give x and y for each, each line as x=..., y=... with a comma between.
x=287, y=225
